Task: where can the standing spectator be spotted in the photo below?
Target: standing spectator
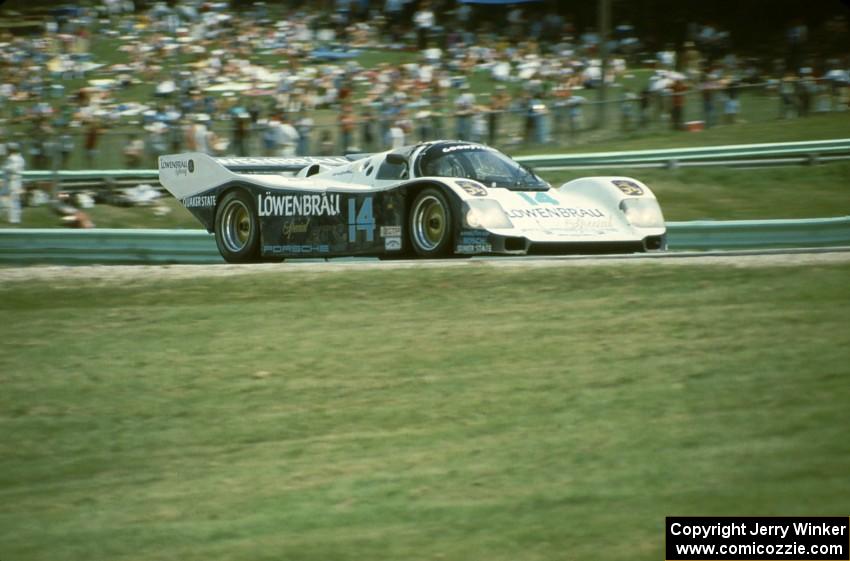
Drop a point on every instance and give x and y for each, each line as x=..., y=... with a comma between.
x=12, y=184
x=326, y=143
x=515, y=23
x=66, y=146
x=805, y=92
x=176, y=135
x=304, y=126
x=691, y=61
x=562, y=93
x=787, y=91
x=287, y=137
x=731, y=105
x=241, y=125
x=367, y=127
x=270, y=136
x=347, y=123
x=424, y=21
x=93, y=132
x=645, y=99
x=133, y=152
x=438, y=104
x=574, y=114
x=628, y=109
x=197, y=136
x=528, y=120
x=539, y=116
x=677, y=104
x=708, y=87
x=464, y=108
x=392, y=15
x=157, y=141
x=420, y=107
x=479, y=125
x=498, y=104
x=796, y=36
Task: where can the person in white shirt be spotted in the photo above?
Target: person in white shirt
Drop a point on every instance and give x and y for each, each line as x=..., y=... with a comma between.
x=12, y=184
x=287, y=137
x=424, y=21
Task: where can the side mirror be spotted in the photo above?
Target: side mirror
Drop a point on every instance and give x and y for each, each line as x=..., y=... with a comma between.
x=396, y=159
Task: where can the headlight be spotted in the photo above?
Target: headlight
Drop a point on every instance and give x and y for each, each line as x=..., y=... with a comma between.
x=485, y=213
x=642, y=212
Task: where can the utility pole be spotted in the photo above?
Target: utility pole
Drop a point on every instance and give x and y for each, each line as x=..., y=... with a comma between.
x=604, y=24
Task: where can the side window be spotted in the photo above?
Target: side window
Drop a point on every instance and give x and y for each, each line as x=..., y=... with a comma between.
x=391, y=171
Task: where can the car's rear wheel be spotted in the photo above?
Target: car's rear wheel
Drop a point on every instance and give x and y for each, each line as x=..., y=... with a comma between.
x=430, y=222
x=237, y=228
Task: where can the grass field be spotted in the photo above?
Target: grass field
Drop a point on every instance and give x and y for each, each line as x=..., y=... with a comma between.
x=444, y=413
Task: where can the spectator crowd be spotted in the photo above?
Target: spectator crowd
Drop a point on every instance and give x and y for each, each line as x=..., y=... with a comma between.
x=276, y=80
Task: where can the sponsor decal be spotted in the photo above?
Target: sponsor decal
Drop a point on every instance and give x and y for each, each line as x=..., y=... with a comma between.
x=474, y=248
x=473, y=188
x=474, y=241
x=180, y=167
x=473, y=236
x=556, y=212
x=629, y=188
x=295, y=249
x=295, y=228
x=457, y=147
x=298, y=205
x=392, y=244
x=390, y=231
x=199, y=201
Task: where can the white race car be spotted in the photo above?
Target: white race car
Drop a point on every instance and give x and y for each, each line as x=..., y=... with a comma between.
x=432, y=199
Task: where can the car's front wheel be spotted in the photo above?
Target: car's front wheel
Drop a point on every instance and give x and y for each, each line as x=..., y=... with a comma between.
x=237, y=228
x=430, y=223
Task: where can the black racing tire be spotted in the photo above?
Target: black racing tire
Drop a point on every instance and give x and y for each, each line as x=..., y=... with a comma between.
x=237, y=228
x=431, y=224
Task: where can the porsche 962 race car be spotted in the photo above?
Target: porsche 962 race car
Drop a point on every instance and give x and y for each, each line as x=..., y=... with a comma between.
x=433, y=199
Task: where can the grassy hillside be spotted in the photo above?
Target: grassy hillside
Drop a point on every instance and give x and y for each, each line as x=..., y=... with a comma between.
x=448, y=413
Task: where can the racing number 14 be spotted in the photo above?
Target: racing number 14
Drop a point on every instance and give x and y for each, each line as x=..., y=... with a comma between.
x=365, y=221
x=539, y=197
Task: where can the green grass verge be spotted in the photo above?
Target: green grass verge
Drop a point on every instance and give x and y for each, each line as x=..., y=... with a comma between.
x=108, y=216
x=469, y=413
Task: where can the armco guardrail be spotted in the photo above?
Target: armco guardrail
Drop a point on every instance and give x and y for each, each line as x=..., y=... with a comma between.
x=107, y=245
x=68, y=175
x=747, y=234
x=782, y=152
x=197, y=246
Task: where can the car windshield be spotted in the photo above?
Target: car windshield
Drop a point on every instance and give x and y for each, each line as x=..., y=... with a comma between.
x=481, y=163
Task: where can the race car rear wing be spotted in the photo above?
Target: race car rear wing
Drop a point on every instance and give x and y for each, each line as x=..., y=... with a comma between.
x=188, y=174
x=278, y=165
